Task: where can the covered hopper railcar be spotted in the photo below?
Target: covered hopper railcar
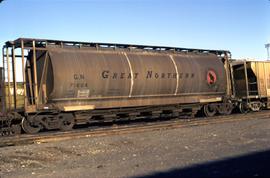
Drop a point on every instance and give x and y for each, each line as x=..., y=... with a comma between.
x=67, y=83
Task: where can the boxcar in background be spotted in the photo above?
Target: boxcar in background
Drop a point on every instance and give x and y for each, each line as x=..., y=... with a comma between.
x=251, y=84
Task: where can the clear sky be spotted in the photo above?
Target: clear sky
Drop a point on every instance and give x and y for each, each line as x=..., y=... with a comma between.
x=241, y=26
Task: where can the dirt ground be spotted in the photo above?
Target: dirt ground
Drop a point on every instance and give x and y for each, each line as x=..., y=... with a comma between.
x=233, y=149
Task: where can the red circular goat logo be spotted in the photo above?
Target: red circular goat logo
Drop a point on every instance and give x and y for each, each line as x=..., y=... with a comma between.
x=211, y=77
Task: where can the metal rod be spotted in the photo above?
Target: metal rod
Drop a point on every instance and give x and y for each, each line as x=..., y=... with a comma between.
x=257, y=65
x=15, y=55
x=30, y=81
x=30, y=48
x=232, y=80
x=245, y=69
x=3, y=99
x=14, y=77
x=8, y=73
x=265, y=76
x=228, y=74
x=35, y=74
x=23, y=72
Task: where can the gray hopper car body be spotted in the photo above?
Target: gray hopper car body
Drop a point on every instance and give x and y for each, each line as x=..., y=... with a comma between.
x=75, y=78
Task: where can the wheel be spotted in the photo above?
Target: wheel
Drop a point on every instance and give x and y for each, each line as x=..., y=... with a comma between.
x=243, y=108
x=227, y=109
x=30, y=128
x=209, y=110
x=16, y=129
x=66, y=121
x=256, y=106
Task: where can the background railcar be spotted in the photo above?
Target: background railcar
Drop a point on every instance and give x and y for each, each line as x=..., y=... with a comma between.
x=251, y=84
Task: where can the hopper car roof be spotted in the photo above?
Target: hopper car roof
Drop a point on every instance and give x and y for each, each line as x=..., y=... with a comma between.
x=242, y=61
x=42, y=43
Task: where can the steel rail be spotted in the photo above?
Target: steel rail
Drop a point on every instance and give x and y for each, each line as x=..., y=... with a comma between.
x=125, y=129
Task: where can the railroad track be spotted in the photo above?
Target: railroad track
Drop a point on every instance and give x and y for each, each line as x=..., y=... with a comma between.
x=126, y=128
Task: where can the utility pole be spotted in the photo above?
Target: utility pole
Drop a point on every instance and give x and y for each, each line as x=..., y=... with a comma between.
x=267, y=46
